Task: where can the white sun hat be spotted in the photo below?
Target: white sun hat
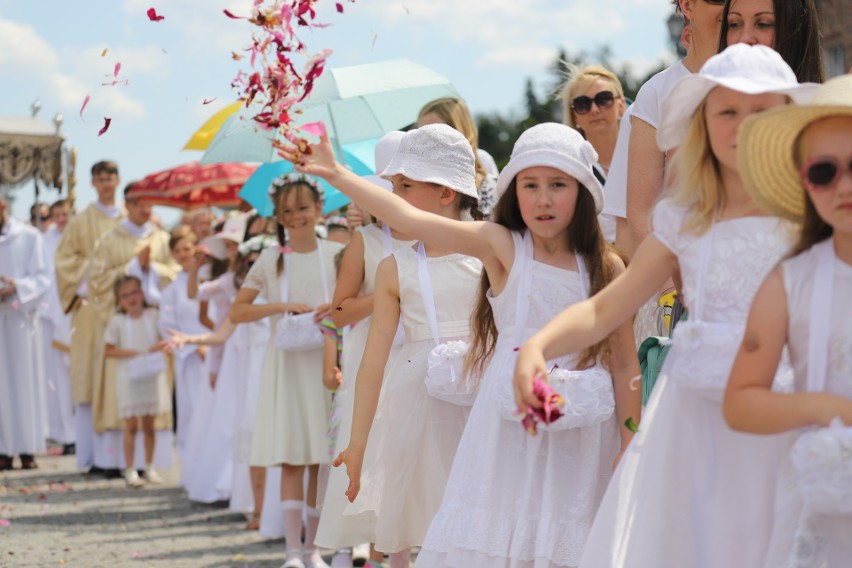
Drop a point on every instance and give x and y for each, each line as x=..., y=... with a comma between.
x=233, y=230
x=385, y=149
x=557, y=146
x=748, y=69
x=436, y=153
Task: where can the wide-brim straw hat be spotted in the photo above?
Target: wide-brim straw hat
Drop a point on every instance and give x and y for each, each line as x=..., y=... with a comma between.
x=767, y=148
x=748, y=69
x=556, y=146
x=436, y=153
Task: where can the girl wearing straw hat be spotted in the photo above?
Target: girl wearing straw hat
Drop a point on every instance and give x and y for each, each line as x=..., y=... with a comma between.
x=689, y=492
x=797, y=162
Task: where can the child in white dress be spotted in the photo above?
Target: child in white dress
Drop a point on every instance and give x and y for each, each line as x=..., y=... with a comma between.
x=804, y=306
x=133, y=339
x=513, y=499
x=292, y=416
x=689, y=492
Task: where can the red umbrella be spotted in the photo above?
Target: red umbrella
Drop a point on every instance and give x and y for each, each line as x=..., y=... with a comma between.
x=195, y=185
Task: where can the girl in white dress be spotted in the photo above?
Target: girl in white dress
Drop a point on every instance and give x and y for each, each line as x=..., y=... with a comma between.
x=132, y=333
x=689, y=492
x=511, y=498
x=353, y=307
x=804, y=306
x=292, y=416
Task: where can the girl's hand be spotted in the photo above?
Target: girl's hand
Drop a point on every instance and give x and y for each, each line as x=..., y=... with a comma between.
x=288, y=308
x=165, y=346
x=354, y=216
x=323, y=311
x=530, y=364
x=312, y=159
x=202, y=352
x=353, y=460
x=198, y=259
x=177, y=338
x=333, y=380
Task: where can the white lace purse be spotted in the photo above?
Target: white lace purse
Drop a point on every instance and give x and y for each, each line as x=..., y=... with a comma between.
x=147, y=365
x=588, y=394
x=299, y=332
x=445, y=379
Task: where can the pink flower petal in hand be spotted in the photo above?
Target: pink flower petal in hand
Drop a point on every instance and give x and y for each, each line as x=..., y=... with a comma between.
x=314, y=128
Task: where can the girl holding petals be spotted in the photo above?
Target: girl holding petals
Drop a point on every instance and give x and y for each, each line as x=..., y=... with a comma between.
x=292, y=416
x=799, y=161
x=513, y=499
x=689, y=492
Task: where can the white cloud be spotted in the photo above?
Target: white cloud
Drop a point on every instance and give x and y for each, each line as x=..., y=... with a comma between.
x=22, y=48
x=527, y=56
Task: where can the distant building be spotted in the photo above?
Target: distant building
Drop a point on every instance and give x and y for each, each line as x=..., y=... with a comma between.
x=835, y=17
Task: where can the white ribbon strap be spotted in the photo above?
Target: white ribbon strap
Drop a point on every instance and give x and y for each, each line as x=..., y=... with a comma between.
x=427, y=292
x=820, y=316
x=387, y=241
x=284, y=284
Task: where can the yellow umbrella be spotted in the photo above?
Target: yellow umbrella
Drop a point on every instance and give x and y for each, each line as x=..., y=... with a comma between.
x=202, y=137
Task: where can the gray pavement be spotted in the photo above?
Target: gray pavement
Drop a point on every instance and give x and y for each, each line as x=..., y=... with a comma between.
x=56, y=516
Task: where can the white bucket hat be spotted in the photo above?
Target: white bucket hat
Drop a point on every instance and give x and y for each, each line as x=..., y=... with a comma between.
x=233, y=230
x=385, y=149
x=436, y=153
x=748, y=69
x=557, y=146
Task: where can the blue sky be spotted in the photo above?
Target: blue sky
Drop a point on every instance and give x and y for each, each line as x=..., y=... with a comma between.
x=488, y=48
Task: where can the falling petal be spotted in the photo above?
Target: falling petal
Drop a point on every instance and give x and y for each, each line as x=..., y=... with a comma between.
x=230, y=15
x=339, y=7
x=104, y=52
x=631, y=425
x=107, y=122
x=208, y=101
x=85, y=102
x=152, y=15
x=636, y=383
x=117, y=69
x=137, y=555
x=375, y=36
x=4, y=522
x=314, y=128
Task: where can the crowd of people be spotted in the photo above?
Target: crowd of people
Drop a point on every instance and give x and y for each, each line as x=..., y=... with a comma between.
x=450, y=365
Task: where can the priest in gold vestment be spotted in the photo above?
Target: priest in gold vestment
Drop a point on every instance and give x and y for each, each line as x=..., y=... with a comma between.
x=73, y=259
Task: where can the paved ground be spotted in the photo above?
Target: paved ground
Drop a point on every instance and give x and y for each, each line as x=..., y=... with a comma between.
x=57, y=516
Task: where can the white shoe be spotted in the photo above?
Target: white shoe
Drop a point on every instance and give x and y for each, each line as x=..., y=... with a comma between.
x=314, y=560
x=131, y=478
x=342, y=559
x=295, y=561
x=151, y=475
x=361, y=551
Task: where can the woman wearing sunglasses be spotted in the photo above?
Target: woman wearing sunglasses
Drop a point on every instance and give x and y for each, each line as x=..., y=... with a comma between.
x=593, y=104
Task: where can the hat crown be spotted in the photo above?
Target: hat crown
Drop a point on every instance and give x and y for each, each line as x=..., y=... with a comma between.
x=835, y=92
x=555, y=137
x=234, y=227
x=756, y=63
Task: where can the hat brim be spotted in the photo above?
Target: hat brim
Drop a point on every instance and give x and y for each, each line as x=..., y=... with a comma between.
x=551, y=159
x=766, y=146
x=413, y=167
x=379, y=181
x=689, y=93
x=216, y=244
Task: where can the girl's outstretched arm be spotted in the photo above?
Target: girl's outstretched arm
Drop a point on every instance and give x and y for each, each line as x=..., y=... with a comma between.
x=218, y=337
x=489, y=242
x=243, y=310
x=750, y=405
x=368, y=383
x=348, y=306
x=590, y=321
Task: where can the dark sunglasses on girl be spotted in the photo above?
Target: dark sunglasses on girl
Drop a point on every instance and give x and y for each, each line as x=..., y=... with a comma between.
x=583, y=104
x=824, y=172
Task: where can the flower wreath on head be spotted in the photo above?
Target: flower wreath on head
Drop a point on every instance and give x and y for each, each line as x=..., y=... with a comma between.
x=257, y=244
x=337, y=221
x=294, y=178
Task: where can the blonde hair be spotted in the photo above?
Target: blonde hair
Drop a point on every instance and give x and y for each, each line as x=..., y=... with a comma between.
x=695, y=178
x=578, y=81
x=454, y=112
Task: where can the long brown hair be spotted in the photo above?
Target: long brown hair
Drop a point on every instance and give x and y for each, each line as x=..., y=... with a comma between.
x=585, y=238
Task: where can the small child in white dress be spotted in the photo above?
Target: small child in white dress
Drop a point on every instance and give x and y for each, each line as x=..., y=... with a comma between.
x=142, y=388
x=804, y=305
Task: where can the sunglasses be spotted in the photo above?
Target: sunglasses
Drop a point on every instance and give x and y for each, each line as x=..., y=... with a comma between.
x=583, y=104
x=824, y=172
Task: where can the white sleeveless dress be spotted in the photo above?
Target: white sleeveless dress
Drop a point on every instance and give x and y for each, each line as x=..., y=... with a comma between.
x=833, y=532
x=689, y=491
x=337, y=530
x=514, y=500
x=293, y=404
x=418, y=433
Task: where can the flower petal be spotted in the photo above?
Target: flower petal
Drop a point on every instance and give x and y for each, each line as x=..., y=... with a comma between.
x=85, y=102
x=107, y=122
x=152, y=15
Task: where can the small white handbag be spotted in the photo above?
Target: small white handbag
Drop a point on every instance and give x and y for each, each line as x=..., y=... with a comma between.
x=299, y=332
x=146, y=365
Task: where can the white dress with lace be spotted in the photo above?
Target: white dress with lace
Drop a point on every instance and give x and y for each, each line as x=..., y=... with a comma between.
x=417, y=434
x=514, y=500
x=833, y=533
x=337, y=530
x=689, y=491
x=293, y=404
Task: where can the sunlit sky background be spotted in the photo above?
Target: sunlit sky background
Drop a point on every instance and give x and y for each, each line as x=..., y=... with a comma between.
x=51, y=50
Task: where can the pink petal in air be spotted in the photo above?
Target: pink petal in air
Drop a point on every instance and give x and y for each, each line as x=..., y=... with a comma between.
x=107, y=122
x=314, y=128
x=85, y=102
x=117, y=69
x=152, y=15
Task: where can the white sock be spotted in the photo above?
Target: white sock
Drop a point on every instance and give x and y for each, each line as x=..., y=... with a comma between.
x=401, y=559
x=292, y=526
x=313, y=515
